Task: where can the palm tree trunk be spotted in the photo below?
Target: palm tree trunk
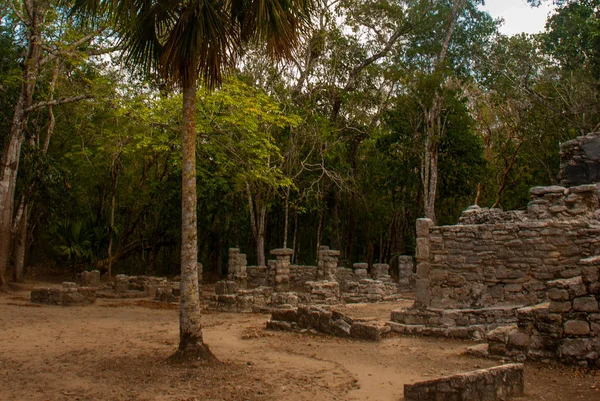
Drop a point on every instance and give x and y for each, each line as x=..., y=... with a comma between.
x=190, y=329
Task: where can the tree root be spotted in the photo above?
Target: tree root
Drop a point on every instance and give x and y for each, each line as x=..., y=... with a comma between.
x=194, y=353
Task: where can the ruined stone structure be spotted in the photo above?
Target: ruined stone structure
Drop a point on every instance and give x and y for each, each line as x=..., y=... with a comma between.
x=566, y=328
x=497, y=383
x=496, y=268
x=90, y=279
x=325, y=320
x=67, y=295
x=237, y=266
x=324, y=284
x=580, y=160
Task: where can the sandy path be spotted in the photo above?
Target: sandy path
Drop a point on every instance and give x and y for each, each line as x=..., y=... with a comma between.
x=116, y=350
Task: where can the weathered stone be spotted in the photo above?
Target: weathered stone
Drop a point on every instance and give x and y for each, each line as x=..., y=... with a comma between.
x=556, y=294
x=575, y=347
x=422, y=294
x=554, y=189
x=365, y=331
x=424, y=227
x=422, y=250
x=576, y=328
x=560, y=307
x=585, y=304
x=519, y=339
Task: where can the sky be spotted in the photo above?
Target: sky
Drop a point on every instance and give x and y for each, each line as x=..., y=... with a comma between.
x=518, y=15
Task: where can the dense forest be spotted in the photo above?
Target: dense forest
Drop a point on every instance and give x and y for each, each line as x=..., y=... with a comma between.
x=385, y=111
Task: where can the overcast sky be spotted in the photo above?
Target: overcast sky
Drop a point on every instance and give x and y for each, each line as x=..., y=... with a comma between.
x=518, y=15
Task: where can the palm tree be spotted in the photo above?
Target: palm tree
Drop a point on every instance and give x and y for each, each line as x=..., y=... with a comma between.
x=183, y=40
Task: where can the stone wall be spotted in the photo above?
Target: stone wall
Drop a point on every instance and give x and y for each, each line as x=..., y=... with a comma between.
x=567, y=328
x=67, y=295
x=299, y=275
x=498, y=383
x=511, y=261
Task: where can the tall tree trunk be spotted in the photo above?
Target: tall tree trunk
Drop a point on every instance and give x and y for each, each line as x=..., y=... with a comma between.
x=190, y=328
x=433, y=119
x=20, y=248
x=9, y=164
x=286, y=218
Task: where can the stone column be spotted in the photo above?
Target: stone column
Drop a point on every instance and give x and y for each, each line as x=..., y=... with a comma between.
x=360, y=271
x=237, y=267
x=422, y=296
x=327, y=266
x=282, y=268
x=121, y=283
x=381, y=271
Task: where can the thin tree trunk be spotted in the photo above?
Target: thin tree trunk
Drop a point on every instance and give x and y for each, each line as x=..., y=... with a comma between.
x=319, y=232
x=294, y=241
x=260, y=238
x=20, y=248
x=190, y=328
x=287, y=218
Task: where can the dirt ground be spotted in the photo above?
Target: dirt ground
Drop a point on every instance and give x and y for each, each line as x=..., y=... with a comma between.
x=117, y=350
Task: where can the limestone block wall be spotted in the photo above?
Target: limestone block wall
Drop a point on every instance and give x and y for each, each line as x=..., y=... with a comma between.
x=510, y=261
x=299, y=275
x=567, y=328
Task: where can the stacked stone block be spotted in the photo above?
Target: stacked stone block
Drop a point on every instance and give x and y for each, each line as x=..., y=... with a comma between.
x=498, y=383
x=580, y=160
x=230, y=298
x=406, y=275
x=556, y=202
x=504, y=263
x=328, y=263
x=323, y=292
x=281, y=268
x=423, y=283
x=90, y=279
x=567, y=328
x=237, y=267
x=299, y=275
x=361, y=271
x=67, y=295
x=326, y=321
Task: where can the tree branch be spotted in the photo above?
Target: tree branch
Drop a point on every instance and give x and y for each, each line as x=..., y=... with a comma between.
x=56, y=102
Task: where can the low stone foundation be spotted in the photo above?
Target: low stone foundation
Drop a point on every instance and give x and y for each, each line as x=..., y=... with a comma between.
x=325, y=321
x=229, y=298
x=68, y=295
x=498, y=383
x=454, y=323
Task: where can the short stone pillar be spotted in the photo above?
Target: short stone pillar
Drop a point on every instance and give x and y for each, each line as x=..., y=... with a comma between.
x=328, y=261
x=281, y=268
x=121, y=283
x=422, y=295
x=90, y=279
x=237, y=267
x=406, y=275
x=360, y=271
x=380, y=271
